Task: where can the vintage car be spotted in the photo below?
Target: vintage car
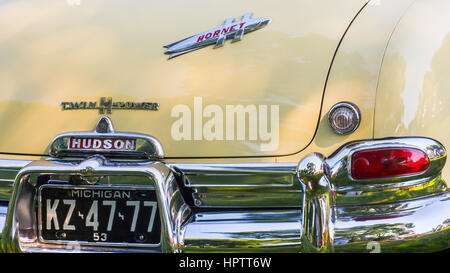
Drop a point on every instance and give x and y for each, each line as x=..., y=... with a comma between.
x=211, y=126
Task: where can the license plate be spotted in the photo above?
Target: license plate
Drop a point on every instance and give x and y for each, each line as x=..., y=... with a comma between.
x=99, y=215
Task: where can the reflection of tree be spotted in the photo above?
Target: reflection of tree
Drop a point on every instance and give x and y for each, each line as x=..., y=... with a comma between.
x=243, y=245
x=374, y=232
x=395, y=192
x=394, y=67
x=434, y=241
x=436, y=87
x=350, y=213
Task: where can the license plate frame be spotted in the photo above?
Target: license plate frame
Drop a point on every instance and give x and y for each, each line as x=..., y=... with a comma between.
x=155, y=233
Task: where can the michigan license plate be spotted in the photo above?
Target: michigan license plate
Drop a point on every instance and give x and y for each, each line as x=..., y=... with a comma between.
x=99, y=215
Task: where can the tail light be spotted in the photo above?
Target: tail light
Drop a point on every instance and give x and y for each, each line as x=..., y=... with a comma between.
x=388, y=162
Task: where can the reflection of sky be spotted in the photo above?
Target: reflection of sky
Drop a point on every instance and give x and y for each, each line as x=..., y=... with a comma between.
x=418, y=20
x=375, y=39
x=243, y=230
x=3, y=212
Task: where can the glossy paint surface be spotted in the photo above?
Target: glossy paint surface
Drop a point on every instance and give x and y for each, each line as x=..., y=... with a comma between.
x=414, y=86
x=354, y=74
x=52, y=51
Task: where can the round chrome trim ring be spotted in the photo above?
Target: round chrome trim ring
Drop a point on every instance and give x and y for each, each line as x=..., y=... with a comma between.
x=350, y=106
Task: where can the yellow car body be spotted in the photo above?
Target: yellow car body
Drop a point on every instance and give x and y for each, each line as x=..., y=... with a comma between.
x=389, y=58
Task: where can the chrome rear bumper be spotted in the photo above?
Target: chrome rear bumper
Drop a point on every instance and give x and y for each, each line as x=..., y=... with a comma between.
x=420, y=227
x=402, y=215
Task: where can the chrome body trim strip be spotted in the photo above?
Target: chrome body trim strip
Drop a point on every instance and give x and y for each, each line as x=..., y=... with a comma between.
x=204, y=175
x=8, y=172
x=13, y=164
x=242, y=185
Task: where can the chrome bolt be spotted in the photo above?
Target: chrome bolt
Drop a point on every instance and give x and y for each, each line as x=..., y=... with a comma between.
x=140, y=238
x=61, y=235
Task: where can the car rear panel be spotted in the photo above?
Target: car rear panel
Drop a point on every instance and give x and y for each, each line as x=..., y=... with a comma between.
x=67, y=51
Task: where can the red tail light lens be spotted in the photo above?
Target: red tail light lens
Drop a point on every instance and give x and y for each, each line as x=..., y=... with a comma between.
x=388, y=162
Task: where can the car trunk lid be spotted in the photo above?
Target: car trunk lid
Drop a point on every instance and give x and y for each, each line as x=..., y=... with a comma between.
x=260, y=96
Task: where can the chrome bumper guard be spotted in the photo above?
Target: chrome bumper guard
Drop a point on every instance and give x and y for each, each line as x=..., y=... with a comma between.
x=336, y=213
